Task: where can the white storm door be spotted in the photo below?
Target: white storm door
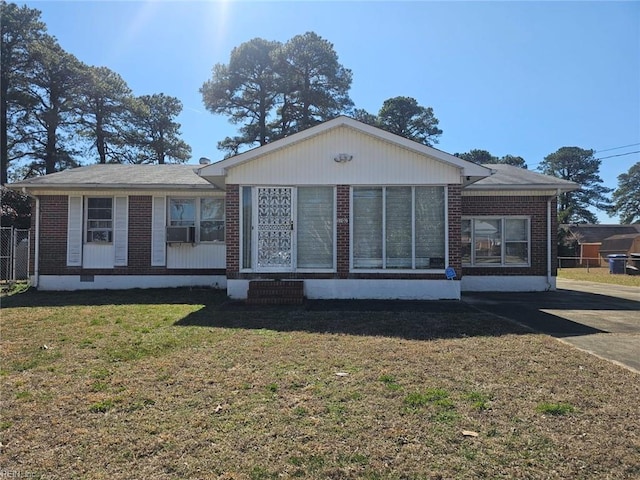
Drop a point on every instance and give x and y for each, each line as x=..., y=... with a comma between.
x=274, y=229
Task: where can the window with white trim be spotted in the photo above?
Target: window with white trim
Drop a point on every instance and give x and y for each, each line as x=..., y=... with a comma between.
x=315, y=230
x=499, y=241
x=99, y=222
x=399, y=228
x=206, y=214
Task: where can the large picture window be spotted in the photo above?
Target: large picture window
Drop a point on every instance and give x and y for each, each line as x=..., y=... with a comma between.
x=206, y=214
x=501, y=241
x=398, y=228
x=99, y=220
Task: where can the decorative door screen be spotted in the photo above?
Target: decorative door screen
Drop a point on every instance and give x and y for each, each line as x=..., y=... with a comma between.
x=275, y=228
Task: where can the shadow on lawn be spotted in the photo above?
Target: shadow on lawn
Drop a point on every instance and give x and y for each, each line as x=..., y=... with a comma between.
x=479, y=314
x=138, y=296
x=411, y=320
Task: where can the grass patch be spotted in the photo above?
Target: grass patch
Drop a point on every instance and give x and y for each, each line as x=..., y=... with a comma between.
x=434, y=396
x=390, y=382
x=554, y=408
x=178, y=384
x=479, y=400
x=102, y=406
x=599, y=275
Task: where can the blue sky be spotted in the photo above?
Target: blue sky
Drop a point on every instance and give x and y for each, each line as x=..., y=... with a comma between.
x=520, y=78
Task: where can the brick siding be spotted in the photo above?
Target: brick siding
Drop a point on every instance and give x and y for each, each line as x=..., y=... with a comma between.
x=533, y=206
x=232, y=230
x=343, y=207
x=454, y=219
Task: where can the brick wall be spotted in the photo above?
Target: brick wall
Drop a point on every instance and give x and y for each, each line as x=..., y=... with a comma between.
x=140, y=214
x=454, y=218
x=53, y=234
x=343, y=193
x=533, y=206
x=232, y=232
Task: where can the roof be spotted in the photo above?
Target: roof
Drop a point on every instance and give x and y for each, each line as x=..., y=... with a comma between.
x=118, y=176
x=218, y=169
x=590, y=233
x=619, y=243
x=508, y=177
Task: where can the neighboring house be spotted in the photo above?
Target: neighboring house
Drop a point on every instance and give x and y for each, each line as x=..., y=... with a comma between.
x=585, y=241
x=620, y=244
x=345, y=209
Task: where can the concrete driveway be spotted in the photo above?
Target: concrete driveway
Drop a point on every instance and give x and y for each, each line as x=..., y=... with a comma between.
x=601, y=319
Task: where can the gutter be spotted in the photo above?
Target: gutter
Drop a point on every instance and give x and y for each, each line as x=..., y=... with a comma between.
x=549, y=244
x=36, y=247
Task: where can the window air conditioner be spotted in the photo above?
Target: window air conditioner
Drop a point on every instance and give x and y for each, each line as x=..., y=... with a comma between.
x=181, y=234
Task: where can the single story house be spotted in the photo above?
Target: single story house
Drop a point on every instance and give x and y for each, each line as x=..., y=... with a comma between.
x=341, y=210
x=585, y=241
x=620, y=244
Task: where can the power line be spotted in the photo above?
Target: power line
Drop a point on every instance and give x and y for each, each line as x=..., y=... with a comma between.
x=618, y=155
x=601, y=158
x=616, y=148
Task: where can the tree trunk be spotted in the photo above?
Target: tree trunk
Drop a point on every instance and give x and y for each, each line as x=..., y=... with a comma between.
x=100, y=139
x=51, y=154
x=4, y=142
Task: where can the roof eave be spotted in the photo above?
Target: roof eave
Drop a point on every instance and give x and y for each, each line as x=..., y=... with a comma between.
x=101, y=186
x=516, y=187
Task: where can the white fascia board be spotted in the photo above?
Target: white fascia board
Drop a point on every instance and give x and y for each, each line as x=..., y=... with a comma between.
x=555, y=188
x=219, y=169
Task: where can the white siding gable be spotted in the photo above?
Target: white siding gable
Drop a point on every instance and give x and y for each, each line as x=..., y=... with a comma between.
x=375, y=162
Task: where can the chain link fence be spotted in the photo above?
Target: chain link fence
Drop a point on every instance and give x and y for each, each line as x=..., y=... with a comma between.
x=15, y=249
x=582, y=262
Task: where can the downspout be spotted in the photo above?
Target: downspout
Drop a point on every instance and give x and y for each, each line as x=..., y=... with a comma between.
x=549, y=286
x=36, y=247
x=549, y=240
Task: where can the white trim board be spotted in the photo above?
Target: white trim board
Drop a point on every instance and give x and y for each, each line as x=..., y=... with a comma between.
x=507, y=283
x=124, y=282
x=385, y=289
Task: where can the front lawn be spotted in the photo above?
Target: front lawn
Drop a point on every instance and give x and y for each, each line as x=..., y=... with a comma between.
x=599, y=275
x=178, y=384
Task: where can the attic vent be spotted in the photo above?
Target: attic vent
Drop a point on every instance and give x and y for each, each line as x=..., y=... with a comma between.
x=204, y=161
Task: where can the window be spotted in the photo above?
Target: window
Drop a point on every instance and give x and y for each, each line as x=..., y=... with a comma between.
x=315, y=227
x=99, y=220
x=182, y=212
x=501, y=241
x=398, y=228
x=205, y=214
x=212, y=220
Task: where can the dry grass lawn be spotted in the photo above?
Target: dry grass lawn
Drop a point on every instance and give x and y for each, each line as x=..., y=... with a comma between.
x=599, y=275
x=178, y=384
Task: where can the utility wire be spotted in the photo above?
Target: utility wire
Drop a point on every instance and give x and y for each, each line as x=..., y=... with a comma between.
x=616, y=148
x=618, y=155
x=601, y=158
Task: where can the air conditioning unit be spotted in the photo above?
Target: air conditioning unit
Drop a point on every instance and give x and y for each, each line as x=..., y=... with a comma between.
x=181, y=234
